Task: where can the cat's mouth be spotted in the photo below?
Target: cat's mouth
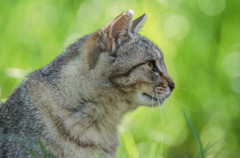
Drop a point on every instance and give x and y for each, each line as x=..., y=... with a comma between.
x=154, y=100
x=149, y=96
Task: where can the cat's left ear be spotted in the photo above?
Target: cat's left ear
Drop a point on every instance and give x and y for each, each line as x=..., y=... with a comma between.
x=118, y=27
x=110, y=36
x=138, y=23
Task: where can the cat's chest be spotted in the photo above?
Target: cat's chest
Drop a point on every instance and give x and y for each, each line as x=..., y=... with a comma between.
x=100, y=144
x=106, y=140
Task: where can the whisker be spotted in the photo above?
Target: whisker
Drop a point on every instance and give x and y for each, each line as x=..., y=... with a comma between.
x=164, y=107
x=180, y=103
x=152, y=106
x=175, y=104
x=160, y=108
x=167, y=106
x=152, y=101
x=174, y=99
x=187, y=90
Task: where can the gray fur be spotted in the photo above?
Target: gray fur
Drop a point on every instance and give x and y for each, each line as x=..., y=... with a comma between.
x=74, y=104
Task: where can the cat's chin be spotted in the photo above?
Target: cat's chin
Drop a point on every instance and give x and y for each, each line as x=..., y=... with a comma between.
x=148, y=100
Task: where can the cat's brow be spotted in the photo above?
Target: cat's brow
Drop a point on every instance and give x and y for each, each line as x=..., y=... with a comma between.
x=159, y=55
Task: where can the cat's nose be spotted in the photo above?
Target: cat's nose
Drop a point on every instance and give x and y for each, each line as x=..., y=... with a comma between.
x=171, y=85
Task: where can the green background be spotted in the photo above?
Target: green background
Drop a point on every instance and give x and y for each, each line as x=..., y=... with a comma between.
x=200, y=40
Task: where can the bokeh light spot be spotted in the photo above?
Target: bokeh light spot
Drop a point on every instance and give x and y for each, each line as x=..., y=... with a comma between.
x=176, y=26
x=235, y=85
x=231, y=64
x=211, y=7
x=16, y=72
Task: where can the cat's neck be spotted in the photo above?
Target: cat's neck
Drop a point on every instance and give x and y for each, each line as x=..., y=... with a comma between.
x=96, y=123
x=90, y=114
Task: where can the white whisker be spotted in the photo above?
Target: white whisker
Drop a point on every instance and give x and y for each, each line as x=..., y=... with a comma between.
x=160, y=108
x=180, y=103
x=152, y=107
x=187, y=90
x=165, y=108
x=173, y=102
x=152, y=100
x=174, y=99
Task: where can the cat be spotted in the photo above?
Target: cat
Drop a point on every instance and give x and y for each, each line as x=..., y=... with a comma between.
x=74, y=104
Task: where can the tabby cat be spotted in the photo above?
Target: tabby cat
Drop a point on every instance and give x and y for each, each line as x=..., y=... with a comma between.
x=74, y=104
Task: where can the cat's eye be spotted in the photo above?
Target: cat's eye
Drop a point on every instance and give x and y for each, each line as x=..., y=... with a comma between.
x=155, y=69
x=153, y=66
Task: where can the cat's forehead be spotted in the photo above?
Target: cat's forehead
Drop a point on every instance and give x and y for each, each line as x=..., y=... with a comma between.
x=151, y=50
x=158, y=54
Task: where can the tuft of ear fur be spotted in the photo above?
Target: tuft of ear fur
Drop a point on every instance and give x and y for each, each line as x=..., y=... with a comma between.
x=138, y=23
x=109, y=35
x=118, y=27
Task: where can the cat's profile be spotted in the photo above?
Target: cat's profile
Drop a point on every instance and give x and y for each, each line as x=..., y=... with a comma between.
x=74, y=104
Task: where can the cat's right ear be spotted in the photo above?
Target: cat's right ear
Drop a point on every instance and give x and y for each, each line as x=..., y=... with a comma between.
x=119, y=26
x=138, y=23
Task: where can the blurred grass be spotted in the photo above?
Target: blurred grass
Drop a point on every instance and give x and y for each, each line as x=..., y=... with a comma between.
x=45, y=152
x=200, y=40
x=195, y=135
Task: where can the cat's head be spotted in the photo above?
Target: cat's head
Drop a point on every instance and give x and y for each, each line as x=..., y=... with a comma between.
x=126, y=65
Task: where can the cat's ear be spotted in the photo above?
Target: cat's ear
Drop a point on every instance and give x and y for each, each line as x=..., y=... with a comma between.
x=108, y=36
x=119, y=26
x=138, y=23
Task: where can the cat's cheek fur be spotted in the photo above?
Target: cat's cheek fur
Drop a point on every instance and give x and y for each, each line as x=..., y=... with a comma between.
x=151, y=98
